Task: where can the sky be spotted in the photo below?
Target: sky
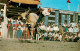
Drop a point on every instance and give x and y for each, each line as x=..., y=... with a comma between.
x=61, y=4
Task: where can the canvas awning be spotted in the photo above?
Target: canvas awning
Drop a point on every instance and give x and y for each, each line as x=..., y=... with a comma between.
x=26, y=1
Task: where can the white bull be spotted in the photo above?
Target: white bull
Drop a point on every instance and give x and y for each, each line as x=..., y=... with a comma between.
x=31, y=19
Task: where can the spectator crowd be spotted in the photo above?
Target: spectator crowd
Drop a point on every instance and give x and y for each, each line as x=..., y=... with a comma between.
x=17, y=28
x=69, y=33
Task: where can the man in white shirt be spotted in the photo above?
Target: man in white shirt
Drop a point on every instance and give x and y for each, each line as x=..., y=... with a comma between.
x=46, y=36
x=46, y=12
x=70, y=29
x=56, y=28
x=73, y=24
x=51, y=29
x=76, y=29
x=60, y=37
x=47, y=28
x=42, y=27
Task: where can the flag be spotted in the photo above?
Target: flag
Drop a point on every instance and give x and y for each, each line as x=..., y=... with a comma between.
x=68, y=1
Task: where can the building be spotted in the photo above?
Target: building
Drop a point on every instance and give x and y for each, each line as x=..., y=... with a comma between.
x=63, y=16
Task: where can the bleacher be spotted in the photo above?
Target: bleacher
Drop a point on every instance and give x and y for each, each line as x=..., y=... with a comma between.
x=15, y=11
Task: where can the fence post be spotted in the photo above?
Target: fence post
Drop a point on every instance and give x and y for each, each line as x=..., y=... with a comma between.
x=37, y=36
x=7, y=30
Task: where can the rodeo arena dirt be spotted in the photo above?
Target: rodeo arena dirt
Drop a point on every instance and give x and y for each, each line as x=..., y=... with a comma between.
x=29, y=30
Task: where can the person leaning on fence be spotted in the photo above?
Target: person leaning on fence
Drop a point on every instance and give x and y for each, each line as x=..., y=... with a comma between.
x=10, y=31
x=19, y=33
x=14, y=31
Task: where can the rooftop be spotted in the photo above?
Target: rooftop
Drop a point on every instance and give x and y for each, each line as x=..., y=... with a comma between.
x=26, y=1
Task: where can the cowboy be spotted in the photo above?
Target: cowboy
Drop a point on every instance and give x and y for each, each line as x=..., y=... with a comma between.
x=45, y=12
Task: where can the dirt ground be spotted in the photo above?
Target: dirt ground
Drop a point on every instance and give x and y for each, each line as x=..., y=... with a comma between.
x=24, y=45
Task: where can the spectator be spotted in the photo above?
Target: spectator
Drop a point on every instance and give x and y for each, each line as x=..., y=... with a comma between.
x=18, y=21
x=51, y=29
x=56, y=28
x=66, y=29
x=13, y=23
x=21, y=22
x=14, y=32
x=60, y=37
x=57, y=36
x=19, y=33
x=10, y=31
x=70, y=38
x=43, y=28
x=41, y=36
x=47, y=28
x=73, y=24
x=49, y=32
x=50, y=35
x=46, y=36
x=60, y=29
x=70, y=30
x=20, y=18
x=75, y=29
